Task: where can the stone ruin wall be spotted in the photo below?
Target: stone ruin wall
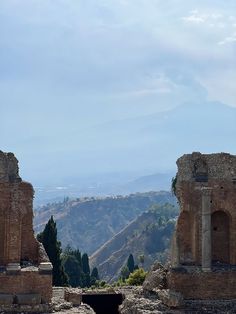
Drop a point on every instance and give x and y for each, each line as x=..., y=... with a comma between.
x=24, y=266
x=204, y=250
x=221, y=166
x=204, y=286
x=17, y=241
x=214, y=172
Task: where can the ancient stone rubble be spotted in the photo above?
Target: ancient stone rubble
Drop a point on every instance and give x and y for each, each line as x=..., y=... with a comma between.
x=156, y=278
x=137, y=301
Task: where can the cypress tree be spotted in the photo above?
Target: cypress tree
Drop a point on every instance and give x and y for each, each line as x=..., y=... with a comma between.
x=86, y=270
x=130, y=263
x=94, y=273
x=73, y=270
x=94, y=276
x=77, y=255
x=53, y=248
x=85, y=264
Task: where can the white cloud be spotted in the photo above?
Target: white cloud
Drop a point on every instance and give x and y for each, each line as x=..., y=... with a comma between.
x=220, y=84
x=195, y=17
x=212, y=19
x=104, y=46
x=228, y=40
x=157, y=85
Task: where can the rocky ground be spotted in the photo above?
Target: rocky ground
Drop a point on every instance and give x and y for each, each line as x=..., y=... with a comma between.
x=82, y=309
x=151, y=298
x=140, y=301
x=60, y=306
x=137, y=301
x=154, y=297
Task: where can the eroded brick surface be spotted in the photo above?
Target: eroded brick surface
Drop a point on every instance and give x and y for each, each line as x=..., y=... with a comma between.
x=204, y=286
x=206, y=228
x=18, y=244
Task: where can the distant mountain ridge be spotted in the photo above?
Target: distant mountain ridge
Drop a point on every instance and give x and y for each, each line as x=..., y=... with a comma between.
x=149, y=235
x=158, y=140
x=143, y=145
x=102, y=186
x=87, y=223
x=154, y=182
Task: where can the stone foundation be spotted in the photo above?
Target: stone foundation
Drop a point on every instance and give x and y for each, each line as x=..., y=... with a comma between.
x=25, y=282
x=203, y=285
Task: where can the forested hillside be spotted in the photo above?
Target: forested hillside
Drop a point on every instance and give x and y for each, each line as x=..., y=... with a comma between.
x=147, y=238
x=88, y=223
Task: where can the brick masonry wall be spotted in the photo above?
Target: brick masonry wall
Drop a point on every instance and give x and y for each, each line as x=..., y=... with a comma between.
x=27, y=282
x=221, y=173
x=29, y=245
x=17, y=240
x=203, y=286
x=223, y=199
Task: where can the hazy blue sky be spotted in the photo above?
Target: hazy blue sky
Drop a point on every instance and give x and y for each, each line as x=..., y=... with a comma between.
x=67, y=67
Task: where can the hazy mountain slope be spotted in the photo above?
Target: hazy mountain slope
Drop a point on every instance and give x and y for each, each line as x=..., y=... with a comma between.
x=149, y=234
x=158, y=140
x=154, y=182
x=87, y=223
x=102, y=185
x=146, y=144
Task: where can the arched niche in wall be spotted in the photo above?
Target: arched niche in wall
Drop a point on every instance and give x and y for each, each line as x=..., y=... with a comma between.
x=220, y=237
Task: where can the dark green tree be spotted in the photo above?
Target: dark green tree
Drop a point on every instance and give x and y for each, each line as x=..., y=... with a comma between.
x=173, y=185
x=73, y=270
x=53, y=249
x=77, y=255
x=124, y=274
x=94, y=276
x=85, y=263
x=94, y=273
x=86, y=270
x=68, y=250
x=130, y=263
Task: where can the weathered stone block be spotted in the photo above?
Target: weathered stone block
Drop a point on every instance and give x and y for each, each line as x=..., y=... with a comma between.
x=28, y=299
x=45, y=268
x=171, y=298
x=6, y=299
x=13, y=268
x=74, y=296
